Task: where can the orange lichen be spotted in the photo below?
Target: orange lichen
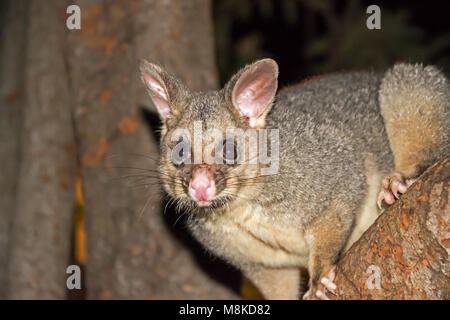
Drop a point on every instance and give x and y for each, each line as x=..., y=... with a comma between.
x=107, y=43
x=105, y=95
x=404, y=219
x=385, y=250
x=91, y=32
x=105, y=295
x=79, y=231
x=96, y=154
x=446, y=243
x=91, y=16
x=424, y=197
x=128, y=125
x=398, y=252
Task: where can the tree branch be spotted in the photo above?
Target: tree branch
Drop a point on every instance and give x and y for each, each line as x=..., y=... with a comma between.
x=405, y=253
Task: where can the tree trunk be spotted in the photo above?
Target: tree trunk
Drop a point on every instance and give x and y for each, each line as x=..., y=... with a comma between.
x=132, y=255
x=405, y=253
x=12, y=48
x=42, y=172
x=71, y=100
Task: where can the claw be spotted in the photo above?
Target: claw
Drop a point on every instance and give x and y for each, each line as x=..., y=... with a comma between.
x=394, y=188
x=391, y=188
x=379, y=200
x=319, y=290
x=321, y=295
x=328, y=283
x=386, y=196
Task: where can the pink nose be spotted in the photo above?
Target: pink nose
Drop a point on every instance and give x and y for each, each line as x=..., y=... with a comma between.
x=202, y=187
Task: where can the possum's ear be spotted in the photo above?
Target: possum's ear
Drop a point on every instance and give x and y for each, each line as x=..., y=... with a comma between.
x=252, y=90
x=165, y=90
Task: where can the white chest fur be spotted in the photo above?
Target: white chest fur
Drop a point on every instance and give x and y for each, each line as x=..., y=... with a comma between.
x=246, y=235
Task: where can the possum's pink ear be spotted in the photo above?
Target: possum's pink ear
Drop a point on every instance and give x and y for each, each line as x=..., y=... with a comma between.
x=254, y=90
x=151, y=75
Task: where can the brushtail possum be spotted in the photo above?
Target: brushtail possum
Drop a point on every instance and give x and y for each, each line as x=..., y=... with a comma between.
x=345, y=143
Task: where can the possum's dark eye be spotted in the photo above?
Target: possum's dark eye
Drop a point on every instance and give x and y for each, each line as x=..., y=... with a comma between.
x=229, y=150
x=181, y=153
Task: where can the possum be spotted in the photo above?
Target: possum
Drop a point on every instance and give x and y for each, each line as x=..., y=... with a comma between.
x=336, y=149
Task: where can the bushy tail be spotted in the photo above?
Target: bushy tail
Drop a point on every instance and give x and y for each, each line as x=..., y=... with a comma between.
x=415, y=104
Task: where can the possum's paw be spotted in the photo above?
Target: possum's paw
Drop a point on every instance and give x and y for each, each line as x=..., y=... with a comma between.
x=391, y=187
x=326, y=284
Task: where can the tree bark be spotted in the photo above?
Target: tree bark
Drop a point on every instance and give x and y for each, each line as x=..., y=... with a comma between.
x=129, y=255
x=42, y=167
x=406, y=251
x=70, y=100
x=12, y=48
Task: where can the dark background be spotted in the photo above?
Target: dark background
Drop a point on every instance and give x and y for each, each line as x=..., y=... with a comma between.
x=308, y=37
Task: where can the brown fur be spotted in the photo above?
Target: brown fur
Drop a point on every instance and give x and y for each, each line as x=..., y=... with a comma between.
x=276, y=283
x=415, y=107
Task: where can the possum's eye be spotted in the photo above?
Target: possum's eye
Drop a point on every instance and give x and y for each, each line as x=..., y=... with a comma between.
x=229, y=151
x=181, y=153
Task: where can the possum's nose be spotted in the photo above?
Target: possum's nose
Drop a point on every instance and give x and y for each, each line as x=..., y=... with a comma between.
x=202, y=187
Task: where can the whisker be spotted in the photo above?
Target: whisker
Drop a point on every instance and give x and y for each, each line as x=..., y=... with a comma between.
x=146, y=185
x=134, y=168
x=145, y=206
x=129, y=177
x=183, y=214
x=167, y=204
x=117, y=155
